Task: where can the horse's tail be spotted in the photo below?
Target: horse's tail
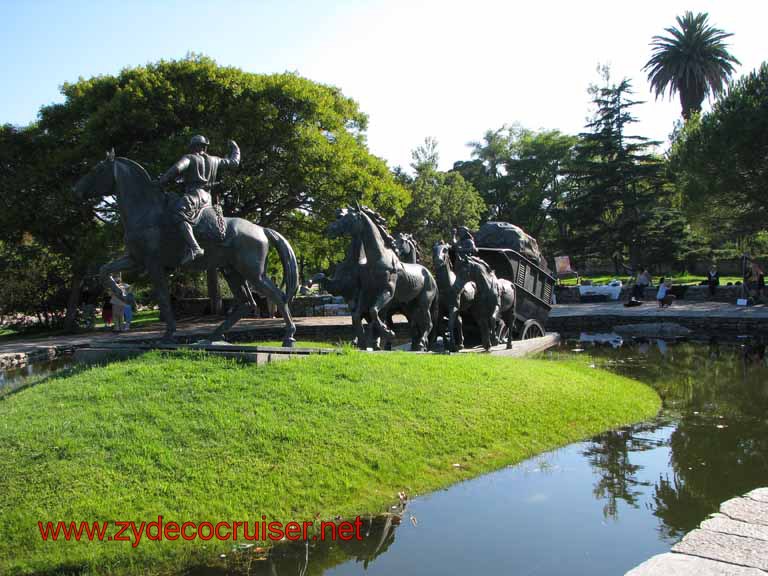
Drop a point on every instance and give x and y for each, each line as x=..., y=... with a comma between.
x=288, y=258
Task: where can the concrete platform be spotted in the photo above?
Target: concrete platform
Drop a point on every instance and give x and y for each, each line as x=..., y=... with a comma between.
x=734, y=542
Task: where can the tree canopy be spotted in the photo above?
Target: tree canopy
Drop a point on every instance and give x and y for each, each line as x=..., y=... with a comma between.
x=303, y=145
x=720, y=160
x=693, y=61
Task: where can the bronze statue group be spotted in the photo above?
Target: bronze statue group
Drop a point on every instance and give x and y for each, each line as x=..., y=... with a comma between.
x=379, y=277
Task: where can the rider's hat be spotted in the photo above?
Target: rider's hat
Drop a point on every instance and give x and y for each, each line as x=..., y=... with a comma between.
x=198, y=141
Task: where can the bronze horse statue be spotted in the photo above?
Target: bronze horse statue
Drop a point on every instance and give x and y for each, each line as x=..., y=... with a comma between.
x=451, y=294
x=153, y=244
x=386, y=283
x=347, y=282
x=493, y=307
x=407, y=248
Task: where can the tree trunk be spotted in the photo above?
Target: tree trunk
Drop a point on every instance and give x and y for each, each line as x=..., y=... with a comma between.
x=73, y=301
x=214, y=293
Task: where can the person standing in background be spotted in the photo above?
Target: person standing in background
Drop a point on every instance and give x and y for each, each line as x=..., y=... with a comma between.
x=130, y=302
x=118, y=307
x=713, y=280
x=106, y=310
x=758, y=276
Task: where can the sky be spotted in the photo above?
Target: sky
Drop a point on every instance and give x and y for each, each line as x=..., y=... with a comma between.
x=443, y=69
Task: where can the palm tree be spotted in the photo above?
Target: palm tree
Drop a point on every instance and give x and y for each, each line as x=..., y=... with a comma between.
x=692, y=61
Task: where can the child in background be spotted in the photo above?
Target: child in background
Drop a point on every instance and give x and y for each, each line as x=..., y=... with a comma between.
x=106, y=310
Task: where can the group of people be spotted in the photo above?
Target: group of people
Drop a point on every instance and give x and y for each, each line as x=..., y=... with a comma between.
x=754, y=277
x=644, y=280
x=117, y=312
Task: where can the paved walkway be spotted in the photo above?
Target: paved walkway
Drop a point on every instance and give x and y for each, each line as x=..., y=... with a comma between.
x=734, y=542
x=194, y=327
x=307, y=327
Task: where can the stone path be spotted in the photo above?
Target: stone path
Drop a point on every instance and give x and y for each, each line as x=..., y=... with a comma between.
x=733, y=542
x=681, y=309
x=271, y=328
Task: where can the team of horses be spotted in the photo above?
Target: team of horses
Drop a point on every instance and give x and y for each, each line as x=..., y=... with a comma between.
x=379, y=277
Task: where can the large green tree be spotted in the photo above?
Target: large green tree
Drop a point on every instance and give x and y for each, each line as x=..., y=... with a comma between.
x=616, y=180
x=303, y=145
x=522, y=175
x=692, y=61
x=720, y=162
x=440, y=200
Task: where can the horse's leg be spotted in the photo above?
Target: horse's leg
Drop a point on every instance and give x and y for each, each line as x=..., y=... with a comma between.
x=160, y=283
x=357, y=323
x=264, y=285
x=382, y=300
x=243, y=298
x=510, y=325
x=357, y=326
x=422, y=321
x=123, y=264
x=485, y=331
x=459, y=331
x=511, y=317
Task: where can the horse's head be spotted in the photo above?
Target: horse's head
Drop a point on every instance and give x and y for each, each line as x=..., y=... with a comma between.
x=99, y=182
x=440, y=253
x=347, y=223
x=403, y=245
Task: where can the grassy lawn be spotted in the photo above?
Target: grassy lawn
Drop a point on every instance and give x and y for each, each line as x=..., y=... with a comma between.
x=203, y=438
x=678, y=279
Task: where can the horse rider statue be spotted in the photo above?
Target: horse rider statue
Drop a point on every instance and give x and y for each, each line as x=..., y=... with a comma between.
x=465, y=247
x=467, y=254
x=198, y=171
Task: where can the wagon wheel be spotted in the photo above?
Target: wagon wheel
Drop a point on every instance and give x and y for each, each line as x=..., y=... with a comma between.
x=532, y=329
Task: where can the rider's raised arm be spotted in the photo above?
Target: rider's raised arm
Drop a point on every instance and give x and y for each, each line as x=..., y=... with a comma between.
x=175, y=170
x=233, y=160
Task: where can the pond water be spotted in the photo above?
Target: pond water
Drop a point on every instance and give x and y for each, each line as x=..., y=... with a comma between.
x=11, y=380
x=595, y=507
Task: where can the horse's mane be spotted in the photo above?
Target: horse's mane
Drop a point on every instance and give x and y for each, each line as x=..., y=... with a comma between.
x=380, y=223
x=135, y=167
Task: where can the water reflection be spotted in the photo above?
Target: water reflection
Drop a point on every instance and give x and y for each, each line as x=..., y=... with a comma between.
x=611, y=455
x=717, y=395
x=11, y=380
x=301, y=558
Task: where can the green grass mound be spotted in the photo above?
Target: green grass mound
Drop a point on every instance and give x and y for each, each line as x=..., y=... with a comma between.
x=206, y=439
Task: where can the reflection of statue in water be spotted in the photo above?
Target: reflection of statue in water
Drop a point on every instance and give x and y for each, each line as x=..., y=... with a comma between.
x=302, y=558
x=198, y=171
